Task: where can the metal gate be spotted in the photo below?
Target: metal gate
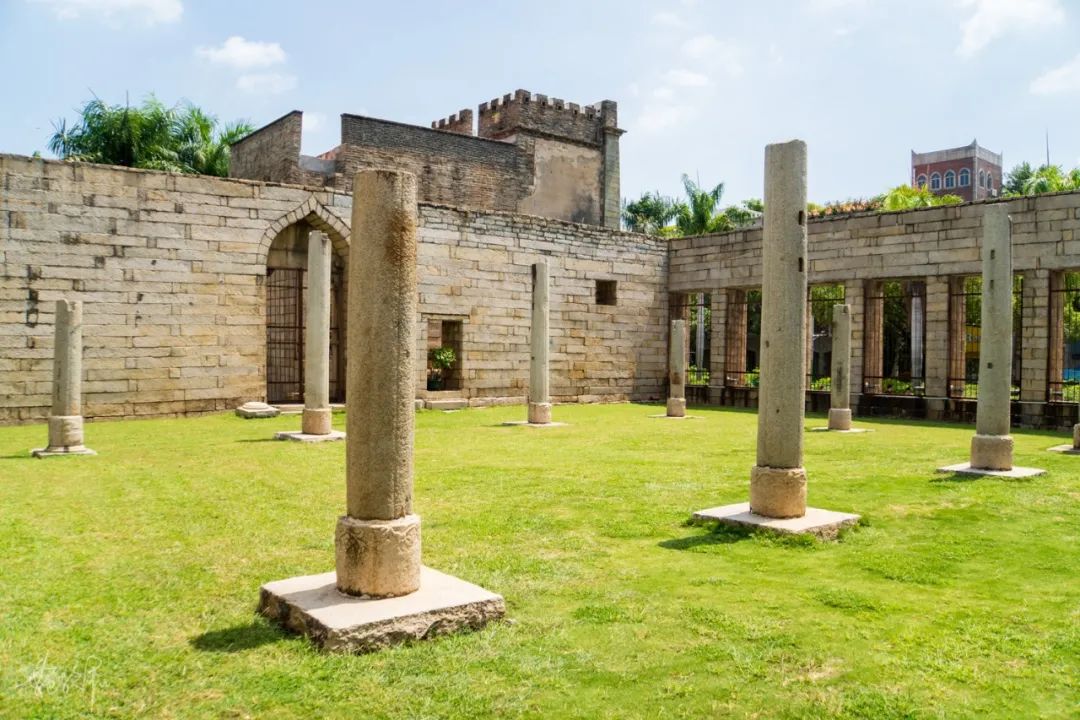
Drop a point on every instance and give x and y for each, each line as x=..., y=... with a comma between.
x=284, y=335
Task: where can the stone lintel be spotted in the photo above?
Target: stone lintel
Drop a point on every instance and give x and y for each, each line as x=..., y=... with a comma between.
x=825, y=524
x=447, y=404
x=311, y=605
x=1016, y=472
x=298, y=436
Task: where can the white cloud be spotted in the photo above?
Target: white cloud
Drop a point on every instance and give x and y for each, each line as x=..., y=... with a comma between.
x=1064, y=79
x=991, y=19
x=266, y=83
x=313, y=122
x=714, y=54
x=150, y=12
x=662, y=116
x=241, y=54
x=685, y=78
x=828, y=6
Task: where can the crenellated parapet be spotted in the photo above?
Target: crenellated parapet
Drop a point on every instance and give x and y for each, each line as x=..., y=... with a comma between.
x=523, y=111
x=460, y=122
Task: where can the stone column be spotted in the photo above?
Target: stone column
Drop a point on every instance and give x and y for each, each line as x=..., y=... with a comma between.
x=676, y=404
x=316, y=419
x=778, y=481
x=65, y=418
x=378, y=541
x=539, y=346
x=1076, y=436
x=840, y=383
x=992, y=446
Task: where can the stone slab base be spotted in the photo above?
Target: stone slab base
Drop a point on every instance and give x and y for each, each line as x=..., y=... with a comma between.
x=677, y=417
x=824, y=524
x=312, y=605
x=526, y=423
x=676, y=407
x=298, y=436
x=456, y=404
x=841, y=432
x=254, y=409
x=61, y=452
x=1066, y=449
x=966, y=469
x=839, y=419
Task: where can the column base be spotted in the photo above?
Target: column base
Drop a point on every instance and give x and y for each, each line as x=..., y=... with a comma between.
x=840, y=419
x=316, y=421
x=825, y=524
x=676, y=407
x=335, y=622
x=61, y=451
x=992, y=452
x=378, y=558
x=332, y=436
x=256, y=409
x=65, y=437
x=539, y=413
x=778, y=492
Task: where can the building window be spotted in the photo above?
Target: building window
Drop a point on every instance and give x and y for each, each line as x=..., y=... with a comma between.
x=982, y=179
x=935, y=181
x=950, y=179
x=989, y=181
x=965, y=177
x=606, y=292
x=921, y=182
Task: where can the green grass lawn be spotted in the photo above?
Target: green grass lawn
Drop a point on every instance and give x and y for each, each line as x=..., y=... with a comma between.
x=128, y=581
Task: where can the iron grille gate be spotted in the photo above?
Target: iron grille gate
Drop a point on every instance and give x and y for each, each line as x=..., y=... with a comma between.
x=284, y=335
x=696, y=309
x=965, y=303
x=1064, y=380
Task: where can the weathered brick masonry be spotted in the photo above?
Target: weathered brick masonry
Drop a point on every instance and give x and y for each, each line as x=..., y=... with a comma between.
x=172, y=269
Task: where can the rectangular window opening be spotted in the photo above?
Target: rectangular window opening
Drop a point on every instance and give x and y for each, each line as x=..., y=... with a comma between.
x=606, y=292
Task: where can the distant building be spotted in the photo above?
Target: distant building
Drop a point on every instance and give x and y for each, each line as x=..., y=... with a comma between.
x=971, y=171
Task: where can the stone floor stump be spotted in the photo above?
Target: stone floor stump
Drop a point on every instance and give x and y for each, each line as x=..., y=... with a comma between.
x=676, y=403
x=65, y=418
x=539, y=348
x=840, y=380
x=380, y=593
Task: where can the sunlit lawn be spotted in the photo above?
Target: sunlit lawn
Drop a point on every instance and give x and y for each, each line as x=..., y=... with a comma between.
x=128, y=581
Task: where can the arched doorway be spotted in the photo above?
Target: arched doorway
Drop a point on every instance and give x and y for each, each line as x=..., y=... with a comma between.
x=286, y=275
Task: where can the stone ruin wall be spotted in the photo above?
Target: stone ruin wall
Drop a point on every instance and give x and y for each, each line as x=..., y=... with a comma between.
x=172, y=271
x=933, y=245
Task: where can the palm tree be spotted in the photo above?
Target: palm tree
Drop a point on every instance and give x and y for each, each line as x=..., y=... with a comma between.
x=699, y=214
x=651, y=214
x=905, y=197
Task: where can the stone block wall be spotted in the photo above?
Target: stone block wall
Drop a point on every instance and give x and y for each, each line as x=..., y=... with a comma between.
x=172, y=270
x=931, y=245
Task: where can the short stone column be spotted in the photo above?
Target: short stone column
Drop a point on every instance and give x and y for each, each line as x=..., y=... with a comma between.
x=65, y=418
x=316, y=423
x=992, y=446
x=380, y=594
x=1076, y=436
x=378, y=540
x=676, y=403
x=778, y=481
x=840, y=380
x=539, y=348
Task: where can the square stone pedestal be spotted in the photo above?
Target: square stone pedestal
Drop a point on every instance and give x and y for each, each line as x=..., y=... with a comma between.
x=526, y=423
x=61, y=452
x=1016, y=473
x=840, y=432
x=677, y=417
x=1066, y=449
x=298, y=436
x=824, y=524
x=311, y=605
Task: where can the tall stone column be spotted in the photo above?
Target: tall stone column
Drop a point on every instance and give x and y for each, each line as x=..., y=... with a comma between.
x=378, y=540
x=676, y=404
x=65, y=418
x=316, y=418
x=992, y=446
x=778, y=481
x=539, y=348
x=840, y=383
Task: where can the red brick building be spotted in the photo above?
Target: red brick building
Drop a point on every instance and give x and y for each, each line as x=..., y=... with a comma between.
x=971, y=171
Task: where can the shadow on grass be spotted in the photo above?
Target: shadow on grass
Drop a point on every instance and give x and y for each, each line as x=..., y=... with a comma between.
x=720, y=535
x=237, y=638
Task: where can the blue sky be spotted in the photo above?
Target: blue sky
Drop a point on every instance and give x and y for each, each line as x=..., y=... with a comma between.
x=701, y=86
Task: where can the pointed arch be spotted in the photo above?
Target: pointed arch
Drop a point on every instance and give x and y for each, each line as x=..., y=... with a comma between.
x=315, y=214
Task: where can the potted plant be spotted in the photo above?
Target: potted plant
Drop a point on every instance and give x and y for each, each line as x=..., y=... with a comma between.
x=440, y=360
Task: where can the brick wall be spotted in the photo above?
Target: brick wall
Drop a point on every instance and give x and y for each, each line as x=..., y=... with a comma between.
x=272, y=153
x=172, y=271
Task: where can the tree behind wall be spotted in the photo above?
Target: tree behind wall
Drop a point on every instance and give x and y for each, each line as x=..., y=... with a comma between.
x=182, y=138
